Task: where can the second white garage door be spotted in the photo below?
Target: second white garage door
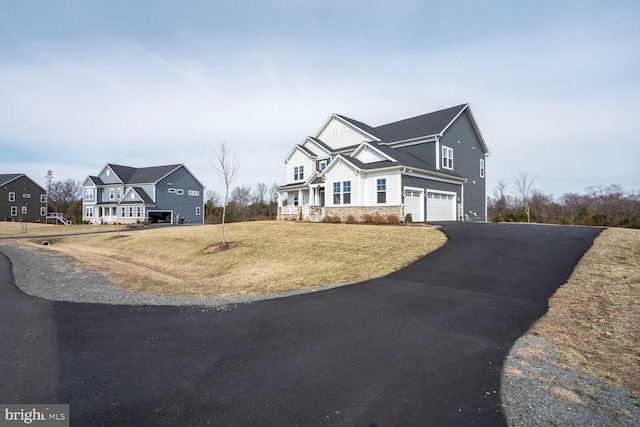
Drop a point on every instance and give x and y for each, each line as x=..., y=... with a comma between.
x=441, y=206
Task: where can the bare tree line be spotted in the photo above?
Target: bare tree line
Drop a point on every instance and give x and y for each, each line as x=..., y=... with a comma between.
x=600, y=205
x=244, y=204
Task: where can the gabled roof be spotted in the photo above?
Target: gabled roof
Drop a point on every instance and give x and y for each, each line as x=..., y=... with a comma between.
x=403, y=160
x=8, y=177
x=96, y=180
x=129, y=175
x=425, y=125
x=362, y=126
x=141, y=193
x=305, y=150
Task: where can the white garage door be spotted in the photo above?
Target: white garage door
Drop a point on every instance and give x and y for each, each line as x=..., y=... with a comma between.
x=413, y=202
x=441, y=206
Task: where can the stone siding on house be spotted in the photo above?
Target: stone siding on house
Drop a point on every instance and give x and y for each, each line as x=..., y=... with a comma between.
x=358, y=212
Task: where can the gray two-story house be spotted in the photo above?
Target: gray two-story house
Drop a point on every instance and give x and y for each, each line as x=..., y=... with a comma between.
x=159, y=194
x=432, y=166
x=22, y=199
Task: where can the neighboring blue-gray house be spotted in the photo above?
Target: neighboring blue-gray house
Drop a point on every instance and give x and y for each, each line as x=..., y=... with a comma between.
x=432, y=166
x=159, y=194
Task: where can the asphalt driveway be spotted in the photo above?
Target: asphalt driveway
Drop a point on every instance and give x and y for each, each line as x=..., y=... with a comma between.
x=422, y=346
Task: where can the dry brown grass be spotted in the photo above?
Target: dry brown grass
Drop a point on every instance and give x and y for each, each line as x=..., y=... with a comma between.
x=265, y=257
x=14, y=229
x=595, y=317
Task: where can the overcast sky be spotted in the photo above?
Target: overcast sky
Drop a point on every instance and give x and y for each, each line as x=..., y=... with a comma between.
x=553, y=85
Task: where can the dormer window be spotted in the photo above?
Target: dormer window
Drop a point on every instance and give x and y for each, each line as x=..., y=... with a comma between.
x=298, y=173
x=322, y=165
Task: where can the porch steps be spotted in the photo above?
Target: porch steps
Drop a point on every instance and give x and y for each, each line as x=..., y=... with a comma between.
x=58, y=218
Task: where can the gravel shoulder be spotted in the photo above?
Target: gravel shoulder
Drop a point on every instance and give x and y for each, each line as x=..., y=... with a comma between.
x=536, y=390
x=55, y=277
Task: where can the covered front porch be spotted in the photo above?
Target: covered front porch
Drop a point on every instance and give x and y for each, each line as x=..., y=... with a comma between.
x=123, y=214
x=301, y=202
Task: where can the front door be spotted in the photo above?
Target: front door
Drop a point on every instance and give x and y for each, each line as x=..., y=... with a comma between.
x=322, y=197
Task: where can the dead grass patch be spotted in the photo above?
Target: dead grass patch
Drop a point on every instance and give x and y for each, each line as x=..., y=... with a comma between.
x=568, y=396
x=595, y=317
x=13, y=229
x=266, y=257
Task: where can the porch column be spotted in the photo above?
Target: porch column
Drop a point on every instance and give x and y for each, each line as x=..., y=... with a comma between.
x=279, y=199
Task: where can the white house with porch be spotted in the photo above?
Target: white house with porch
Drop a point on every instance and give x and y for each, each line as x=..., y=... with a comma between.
x=431, y=166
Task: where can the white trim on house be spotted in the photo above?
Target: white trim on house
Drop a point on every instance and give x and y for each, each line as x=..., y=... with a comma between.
x=365, y=146
x=349, y=124
x=421, y=202
x=451, y=200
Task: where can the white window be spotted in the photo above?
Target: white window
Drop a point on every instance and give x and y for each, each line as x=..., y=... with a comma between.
x=343, y=197
x=172, y=190
x=194, y=193
x=322, y=165
x=43, y=211
x=197, y=210
x=381, y=188
x=14, y=211
x=298, y=173
x=12, y=196
x=133, y=196
x=26, y=196
x=346, y=192
x=24, y=210
x=111, y=194
x=118, y=193
x=335, y=132
x=88, y=211
x=481, y=168
x=108, y=172
x=179, y=191
x=130, y=211
x=88, y=194
x=139, y=211
x=336, y=193
x=43, y=198
x=447, y=157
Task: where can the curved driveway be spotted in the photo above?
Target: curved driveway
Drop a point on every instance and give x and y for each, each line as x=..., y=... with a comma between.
x=422, y=346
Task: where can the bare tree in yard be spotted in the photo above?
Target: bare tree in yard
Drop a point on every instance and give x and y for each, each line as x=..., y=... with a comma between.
x=63, y=196
x=226, y=166
x=242, y=197
x=273, y=199
x=523, y=184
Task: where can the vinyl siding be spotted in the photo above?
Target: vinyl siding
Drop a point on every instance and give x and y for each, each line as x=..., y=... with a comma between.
x=340, y=173
x=300, y=159
x=183, y=205
x=346, y=136
x=467, y=152
x=427, y=184
x=425, y=151
x=368, y=155
x=370, y=189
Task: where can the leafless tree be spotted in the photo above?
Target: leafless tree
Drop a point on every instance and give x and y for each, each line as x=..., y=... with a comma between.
x=226, y=166
x=241, y=196
x=260, y=195
x=63, y=196
x=523, y=184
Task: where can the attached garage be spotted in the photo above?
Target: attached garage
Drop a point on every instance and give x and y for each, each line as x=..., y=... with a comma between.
x=441, y=206
x=414, y=204
x=156, y=217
